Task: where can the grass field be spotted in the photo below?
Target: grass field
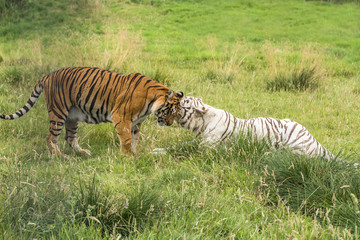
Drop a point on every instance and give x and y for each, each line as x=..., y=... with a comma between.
x=285, y=59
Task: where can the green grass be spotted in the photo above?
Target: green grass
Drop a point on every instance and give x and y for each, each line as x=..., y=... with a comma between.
x=231, y=53
x=314, y=187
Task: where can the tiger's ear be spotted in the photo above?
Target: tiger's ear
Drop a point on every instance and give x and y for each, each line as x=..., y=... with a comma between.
x=202, y=109
x=180, y=94
x=169, y=95
x=200, y=106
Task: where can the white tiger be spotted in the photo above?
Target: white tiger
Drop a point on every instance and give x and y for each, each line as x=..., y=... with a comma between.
x=215, y=125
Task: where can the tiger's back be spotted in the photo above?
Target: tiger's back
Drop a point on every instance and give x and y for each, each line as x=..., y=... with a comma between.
x=93, y=93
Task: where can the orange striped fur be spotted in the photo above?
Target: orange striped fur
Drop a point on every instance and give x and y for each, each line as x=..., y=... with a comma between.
x=96, y=95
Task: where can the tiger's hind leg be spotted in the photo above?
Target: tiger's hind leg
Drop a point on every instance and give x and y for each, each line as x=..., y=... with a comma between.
x=71, y=127
x=56, y=125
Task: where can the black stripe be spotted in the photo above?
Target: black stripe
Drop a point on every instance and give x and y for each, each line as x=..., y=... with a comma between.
x=73, y=81
x=102, y=107
x=136, y=85
x=93, y=101
x=54, y=134
x=98, y=115
x=135, y=76
x=31, y=103
x=107, y=102
x=223, y=136
x=64, y=72
x=268, y=129
x=73, y=74
x=123, y=80
x=117, y=79
x=71, y=131
x=60, y=108
x=127, y=92
x=235, y=122
x=149, y=106
x=58, y=115
x=34, y=95
x=147, y=82
x=105, y=116
x=93, y=84
x=84, y=82
x=291, y=132
x=55, y=129
x=106, y=86
x=158, y=86
x=65, y=82
x=56, y=123
x=94, y=118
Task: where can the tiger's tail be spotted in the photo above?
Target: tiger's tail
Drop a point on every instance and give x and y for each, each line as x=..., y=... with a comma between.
x=32, y=100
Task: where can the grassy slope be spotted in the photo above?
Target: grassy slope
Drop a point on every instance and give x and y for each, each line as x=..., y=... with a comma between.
x=184, y=34
x=219, y=51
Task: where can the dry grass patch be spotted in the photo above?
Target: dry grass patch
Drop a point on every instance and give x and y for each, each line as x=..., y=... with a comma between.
x=293, y=71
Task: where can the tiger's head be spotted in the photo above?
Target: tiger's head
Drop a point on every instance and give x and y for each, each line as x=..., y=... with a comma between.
x=191, y=113
x=167, y=112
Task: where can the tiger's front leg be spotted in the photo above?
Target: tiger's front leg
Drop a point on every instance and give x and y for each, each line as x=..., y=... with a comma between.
x=135, y=135
x=123, y=130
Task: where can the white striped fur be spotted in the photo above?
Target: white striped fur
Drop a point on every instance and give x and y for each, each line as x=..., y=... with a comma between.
x=215, y=125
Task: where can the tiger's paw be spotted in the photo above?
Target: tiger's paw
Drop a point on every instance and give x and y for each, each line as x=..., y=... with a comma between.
x=159, y=151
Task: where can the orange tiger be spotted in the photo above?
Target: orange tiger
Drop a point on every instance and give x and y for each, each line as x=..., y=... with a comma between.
x=95, y=95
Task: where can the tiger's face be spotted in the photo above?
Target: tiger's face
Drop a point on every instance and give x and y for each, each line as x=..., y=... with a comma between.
x=191, y=112
x=168, y=111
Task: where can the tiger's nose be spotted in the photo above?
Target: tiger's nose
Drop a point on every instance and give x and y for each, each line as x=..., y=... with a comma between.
x=170, y=122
